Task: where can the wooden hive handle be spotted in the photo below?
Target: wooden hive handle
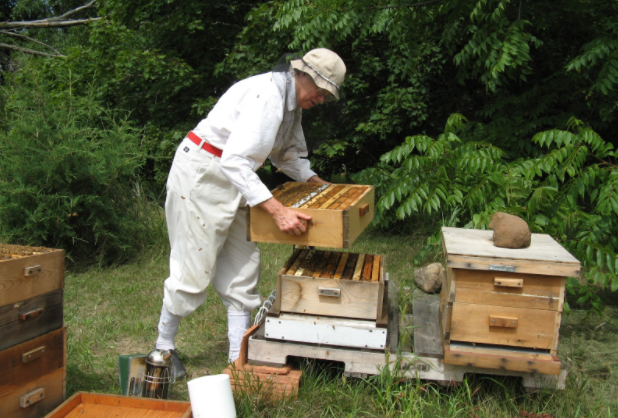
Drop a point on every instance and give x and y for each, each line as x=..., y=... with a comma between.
x=33, y=354
x=33, y=313
x=32, y=270
x=31, y=398
x=363, y=209
x=503, y=321
x=507, y=282
x=329, y=291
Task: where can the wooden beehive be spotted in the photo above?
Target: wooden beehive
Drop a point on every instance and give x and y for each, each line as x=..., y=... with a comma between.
x=33, y=343
x=26, y=272
x=95, y=405
x=331, y=283
x=339, y=213
x=501, y=307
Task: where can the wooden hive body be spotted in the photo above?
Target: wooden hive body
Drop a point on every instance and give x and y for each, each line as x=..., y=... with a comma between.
x=33, y=347
x=339, y=212
x=502, y=307
x=332, y=283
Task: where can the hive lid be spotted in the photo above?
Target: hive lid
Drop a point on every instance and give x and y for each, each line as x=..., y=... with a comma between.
x=475, y=249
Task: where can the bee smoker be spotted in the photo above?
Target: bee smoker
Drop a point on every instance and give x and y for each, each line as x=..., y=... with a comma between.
x=157, y=380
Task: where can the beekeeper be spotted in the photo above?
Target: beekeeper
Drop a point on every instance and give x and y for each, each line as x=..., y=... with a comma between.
x=213, y=178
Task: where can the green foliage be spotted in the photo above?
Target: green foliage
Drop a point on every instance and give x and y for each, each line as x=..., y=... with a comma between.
x=570, y=191
x=67, y=170
x=599, y=60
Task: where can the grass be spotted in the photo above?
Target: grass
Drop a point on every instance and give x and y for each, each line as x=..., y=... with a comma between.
x=114, y=311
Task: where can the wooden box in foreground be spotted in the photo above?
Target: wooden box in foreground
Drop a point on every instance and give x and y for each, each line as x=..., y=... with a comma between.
x=332, y=283
x=339, y=212
x=501, y=307
x=95, y=405
x=26, y=272
x=33, y=343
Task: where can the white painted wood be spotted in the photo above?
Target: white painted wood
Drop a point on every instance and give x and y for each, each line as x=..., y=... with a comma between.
x=409, y=365
x=479, y=243
x=327, y=331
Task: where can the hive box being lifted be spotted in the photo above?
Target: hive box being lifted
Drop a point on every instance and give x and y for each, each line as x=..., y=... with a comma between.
x=339, y=213
x=501, y=307
x=332, y=283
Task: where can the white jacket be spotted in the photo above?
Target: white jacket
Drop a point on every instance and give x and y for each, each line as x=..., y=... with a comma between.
x=244, y=124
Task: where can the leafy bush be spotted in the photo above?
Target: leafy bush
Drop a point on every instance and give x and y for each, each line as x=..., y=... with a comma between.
x=67, y=170
x=569, y=191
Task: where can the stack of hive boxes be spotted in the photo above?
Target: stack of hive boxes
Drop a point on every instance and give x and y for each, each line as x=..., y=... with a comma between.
x=33, y=343
x=326, y=297
x=500, y=307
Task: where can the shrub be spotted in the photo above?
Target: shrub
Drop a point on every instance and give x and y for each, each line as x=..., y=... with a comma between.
x=67, y=170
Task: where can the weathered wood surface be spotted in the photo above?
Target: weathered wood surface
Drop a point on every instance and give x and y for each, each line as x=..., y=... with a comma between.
x=535, y=327
x=474, y=249
x=502, y=359
x=301, y=284
x=392, y=303
x=53, y=391
x=28, y=361
x=537, y=292
x=358, y=362
x=94, y=405
x=31, y=318
x=358, y=299
x=427, y=342
x=16, y=286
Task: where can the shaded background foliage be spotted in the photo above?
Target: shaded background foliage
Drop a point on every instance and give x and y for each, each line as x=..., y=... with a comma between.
x=506, y=70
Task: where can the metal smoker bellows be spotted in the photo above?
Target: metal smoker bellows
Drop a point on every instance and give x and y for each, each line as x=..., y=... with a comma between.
x=157, y=380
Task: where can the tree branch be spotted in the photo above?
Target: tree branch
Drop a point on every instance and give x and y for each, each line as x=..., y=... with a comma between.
x=45, y=23
x=71, y=12
x=6, y=32
x=57, y=21
x=29, y=51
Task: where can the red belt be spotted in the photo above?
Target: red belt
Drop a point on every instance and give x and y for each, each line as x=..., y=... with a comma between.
x=205, y=146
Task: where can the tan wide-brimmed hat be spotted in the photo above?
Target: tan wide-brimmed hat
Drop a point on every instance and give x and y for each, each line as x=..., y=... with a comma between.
x=325, y=67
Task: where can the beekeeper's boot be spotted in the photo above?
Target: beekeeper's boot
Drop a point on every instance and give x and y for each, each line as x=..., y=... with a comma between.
x=168, y=328
x=237, y=325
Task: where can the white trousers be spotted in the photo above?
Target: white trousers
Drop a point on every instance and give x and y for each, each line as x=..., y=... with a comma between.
x=206, y=221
